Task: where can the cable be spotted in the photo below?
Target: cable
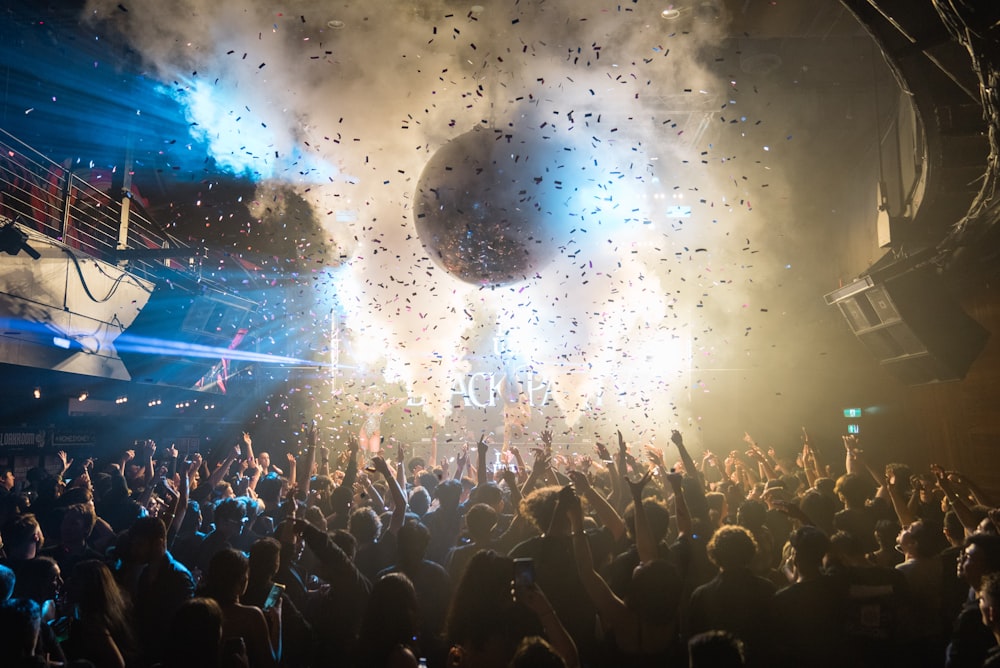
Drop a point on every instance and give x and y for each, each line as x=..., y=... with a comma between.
x=86, y=289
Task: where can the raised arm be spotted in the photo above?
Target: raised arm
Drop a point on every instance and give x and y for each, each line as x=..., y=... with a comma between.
x=292, y=469
x=537, y=471
x=482, y=476
x=183, y=494
x=960, y=481
x=149, y=480
x=434, y=448
x=684, y=525
x=323, y=468
x=606, y=513
x=305, y=474
x=351, y=465
x=958, y=504
x=808, y=462
x=678, y=440
x=850, y=456
x=64, y=464
x=765, y=467
x=254, y=471
x=510, y=478
x=248, y=449
x=379, y=465
x=522, y=470
x=369, y=490
x=400, y=465
x=609, y=607
x=616, y=484
x=169, y=460
x=621, y=464
x=461, y=459
x=899, y=502
x=533, y=597
x=655, y=456
x=644, y=542
x=696, y=505
x=215, y=477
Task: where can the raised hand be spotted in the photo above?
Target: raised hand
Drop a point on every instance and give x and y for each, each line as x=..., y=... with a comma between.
x=533, y=598
x=509, y=477
x=957, y=478
x=637, y=486
x=379, y=464
x=631, y=461
x=541, y=459
x=352, y=444
x=602, y=452
x=247, y=440
x=655, y=455
x=676, y=438
x=580, y=482
x=621, y=442
x=547, y=439
x=569, y=502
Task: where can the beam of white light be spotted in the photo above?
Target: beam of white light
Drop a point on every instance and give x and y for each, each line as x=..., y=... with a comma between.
x=136, y=344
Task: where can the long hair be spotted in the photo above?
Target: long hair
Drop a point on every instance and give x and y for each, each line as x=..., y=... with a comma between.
x=391, y=619
x=99, y=600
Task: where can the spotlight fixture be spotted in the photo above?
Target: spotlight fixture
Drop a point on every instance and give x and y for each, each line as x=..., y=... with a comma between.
x=13, y=240
x=37, y=393
x=83, y=395
x=671, y=13
x=121, y=400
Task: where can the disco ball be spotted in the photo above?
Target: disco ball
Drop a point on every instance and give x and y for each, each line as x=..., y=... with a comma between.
x=486, y=206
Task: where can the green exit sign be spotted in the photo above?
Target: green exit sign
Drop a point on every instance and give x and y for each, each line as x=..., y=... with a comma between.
x=852, y=412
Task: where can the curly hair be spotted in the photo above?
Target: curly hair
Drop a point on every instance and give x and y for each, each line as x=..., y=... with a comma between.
x=732, y=547
x=539, y=506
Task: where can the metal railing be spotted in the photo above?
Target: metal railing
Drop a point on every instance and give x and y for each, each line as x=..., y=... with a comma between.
x=78, y=205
